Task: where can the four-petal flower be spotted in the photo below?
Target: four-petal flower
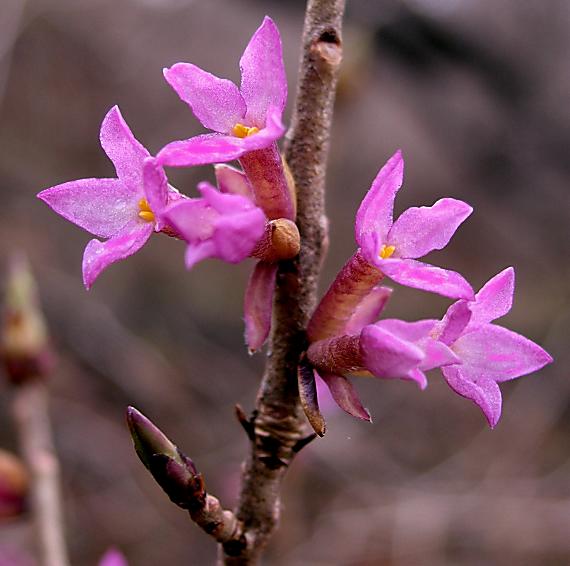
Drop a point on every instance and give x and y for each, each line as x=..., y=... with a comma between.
x=393, y=247
x=489, y=354
x=122, y=210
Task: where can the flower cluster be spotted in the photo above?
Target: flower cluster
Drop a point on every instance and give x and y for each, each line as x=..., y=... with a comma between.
x=251, y=213
x=347, y=339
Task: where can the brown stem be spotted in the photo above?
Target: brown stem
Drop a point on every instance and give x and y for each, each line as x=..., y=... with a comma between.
x=279, y=422
x=31, y=416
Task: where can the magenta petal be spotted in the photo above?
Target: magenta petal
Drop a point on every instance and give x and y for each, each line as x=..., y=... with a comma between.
x=485, y=392
x=494, y=352
x=410, y=331
x=438, y=355
x=155, y=185
x=99, y=255
x=232, y=181
x=418, y=275
x=368, y=310
x=263, y=80
x=495, y=298
x=199, y=251
x=193, y=219
x=113, y=558
x=258, y=304
x=419, y=230
x=100, y=206
x=376, y=210
x=216, y=102
x=454, y=322
x=387, y=356
x=123, y=149
x=345, y=396
x=201, y=150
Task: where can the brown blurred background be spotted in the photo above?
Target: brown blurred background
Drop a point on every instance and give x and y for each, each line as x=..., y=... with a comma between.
x=476, y=93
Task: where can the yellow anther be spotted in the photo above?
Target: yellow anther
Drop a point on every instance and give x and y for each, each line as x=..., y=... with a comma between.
x=386, y=251
x=241, y=131
x=146, y=212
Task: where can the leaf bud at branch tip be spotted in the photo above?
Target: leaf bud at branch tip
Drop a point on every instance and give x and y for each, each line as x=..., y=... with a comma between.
x=171, y=468
x=24, y=345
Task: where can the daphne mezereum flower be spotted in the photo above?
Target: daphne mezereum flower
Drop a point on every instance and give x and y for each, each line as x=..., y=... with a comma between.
x=122, y=210
x=218, y=225
x=387, y=349
x=392, y=248
x=246, y=121
x=488, y=354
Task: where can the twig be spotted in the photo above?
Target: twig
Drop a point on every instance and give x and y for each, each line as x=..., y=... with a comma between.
x=279, y=422
x=31, y=416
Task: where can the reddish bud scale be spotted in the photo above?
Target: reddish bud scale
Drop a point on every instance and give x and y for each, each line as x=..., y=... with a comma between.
x=352, y=284
x=266, y=173
x=280, y=241
x=337, y=356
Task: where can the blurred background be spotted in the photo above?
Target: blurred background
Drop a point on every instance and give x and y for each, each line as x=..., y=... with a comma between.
x=476, y=94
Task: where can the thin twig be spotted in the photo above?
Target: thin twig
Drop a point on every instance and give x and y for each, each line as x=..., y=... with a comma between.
x=279, y=423
x=31, y=416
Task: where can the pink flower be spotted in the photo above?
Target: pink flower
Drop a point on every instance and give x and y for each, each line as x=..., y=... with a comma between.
x=488, y=354
x=122, y=210
x=244, y=119
x=225, y=225
x=388, y=349
x=393, y=247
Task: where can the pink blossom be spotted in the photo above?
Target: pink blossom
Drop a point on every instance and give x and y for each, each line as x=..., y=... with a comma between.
x=489, y=354
x=122, y=210
x=220, y=224
x=393, y=247
x=244, y=119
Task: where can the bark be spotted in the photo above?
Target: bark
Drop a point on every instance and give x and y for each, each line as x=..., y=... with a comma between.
x=278, y=426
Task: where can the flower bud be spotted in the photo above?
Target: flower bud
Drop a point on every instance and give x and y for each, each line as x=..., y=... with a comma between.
x=24, y=348
x=172, y=469
x=13, y=485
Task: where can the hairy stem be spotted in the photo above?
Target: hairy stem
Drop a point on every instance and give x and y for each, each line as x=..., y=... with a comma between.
x=31, y=416
x=278, y=423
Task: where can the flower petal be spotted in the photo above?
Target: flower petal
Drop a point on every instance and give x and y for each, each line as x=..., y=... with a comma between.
x=485, y=393
x=199, y=251
x=418, y=275
x=376, y=210
x=123, y=149
x=258, y=304
x=100, y=206
x=232, y=181
x=345, y=396
x=456, y=319
x=155, y=185
x=410, y=331
x=224, y=203
x=387, y=356
x=494, y=352
x=201, y=150
x=193, y=219
x=420, y=230
x=368, y=310
x=216, y=102
x=99, y=255
x=263, y=80
x=495, y=298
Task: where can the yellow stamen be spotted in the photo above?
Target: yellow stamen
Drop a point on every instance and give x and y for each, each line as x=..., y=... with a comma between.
x=386, y=251
x=146, y=212
x=241, y=131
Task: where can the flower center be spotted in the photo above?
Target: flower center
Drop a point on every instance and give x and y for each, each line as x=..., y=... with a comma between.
x=241, y=131
x=386, y=251
x=145, y=211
